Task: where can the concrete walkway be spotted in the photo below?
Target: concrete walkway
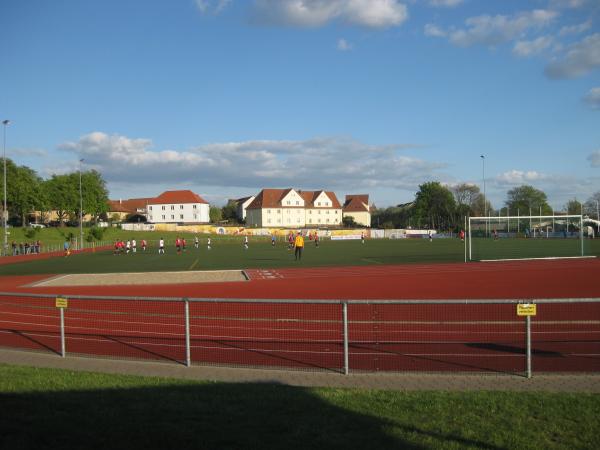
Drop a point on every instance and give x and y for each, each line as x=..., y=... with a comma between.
x=398, y=381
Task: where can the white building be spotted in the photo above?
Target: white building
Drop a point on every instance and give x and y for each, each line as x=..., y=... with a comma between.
x=178, y=207
x=294, y=208
x=357, y=207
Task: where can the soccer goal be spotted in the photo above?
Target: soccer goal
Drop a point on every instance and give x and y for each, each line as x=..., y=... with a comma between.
x=525, y=237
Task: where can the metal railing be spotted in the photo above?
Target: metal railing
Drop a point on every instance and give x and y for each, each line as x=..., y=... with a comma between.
x=340, y=335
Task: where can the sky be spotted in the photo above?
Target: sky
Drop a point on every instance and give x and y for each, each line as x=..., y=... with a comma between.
x=226, y=97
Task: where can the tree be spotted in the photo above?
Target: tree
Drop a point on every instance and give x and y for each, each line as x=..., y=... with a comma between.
x=26, y=196
x=348, y=222
x=63, y=195
x=573, y=207
x=592, y=206
x=524, y=198
x=215, y=214
x=94, y=193
x=229, y=211
x=435, y=204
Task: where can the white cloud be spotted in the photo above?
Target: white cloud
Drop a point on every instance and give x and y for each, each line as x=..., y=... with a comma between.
x=592, y=98
x=529, y=48
x=594, y=158
x=567, y=3
x=434, y=31
x=25, y=152
x=575, y=29
x=316, y=13
x=320, y=162
x=446, y=3
x=494, y=30
x=517, y=177
x=212, y=6
x=580, y=59
x=343, y=45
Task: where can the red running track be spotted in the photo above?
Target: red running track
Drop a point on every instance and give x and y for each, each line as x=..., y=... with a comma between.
x=382, y=337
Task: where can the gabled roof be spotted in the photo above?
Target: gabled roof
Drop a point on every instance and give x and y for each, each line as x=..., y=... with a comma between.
x=268, y=198
x=185, y=196
x=271, y=198
x=128, y=206
x=357, y=203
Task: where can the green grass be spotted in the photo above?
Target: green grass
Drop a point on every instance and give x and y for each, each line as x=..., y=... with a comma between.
x=57, y=409
x=228, y=253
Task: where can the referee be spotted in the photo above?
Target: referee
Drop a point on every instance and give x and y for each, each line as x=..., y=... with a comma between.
x=298, y=246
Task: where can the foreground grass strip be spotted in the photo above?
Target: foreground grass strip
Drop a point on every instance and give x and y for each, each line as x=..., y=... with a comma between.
x=47, y=408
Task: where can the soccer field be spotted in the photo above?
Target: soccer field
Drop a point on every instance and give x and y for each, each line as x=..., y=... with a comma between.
x=230, y=254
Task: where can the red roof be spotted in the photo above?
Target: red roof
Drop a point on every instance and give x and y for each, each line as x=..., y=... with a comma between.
x=185, y=196
x=128, y=206
x=271, y=198
x=357, y=203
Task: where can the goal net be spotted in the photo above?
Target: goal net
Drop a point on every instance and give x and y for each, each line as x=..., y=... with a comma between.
x=525, y=237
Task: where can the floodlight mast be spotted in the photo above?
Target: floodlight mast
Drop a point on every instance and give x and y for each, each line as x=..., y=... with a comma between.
x=5, y=122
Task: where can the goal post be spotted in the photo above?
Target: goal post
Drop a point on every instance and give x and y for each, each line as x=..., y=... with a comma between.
x=525, y=237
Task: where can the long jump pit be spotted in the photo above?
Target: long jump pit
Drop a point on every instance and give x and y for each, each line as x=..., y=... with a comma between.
x=143, y=278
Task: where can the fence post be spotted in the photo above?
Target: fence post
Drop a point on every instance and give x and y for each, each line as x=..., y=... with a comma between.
x=188, y=355
x=345, y=323
x=62, y=332
x=528, y=325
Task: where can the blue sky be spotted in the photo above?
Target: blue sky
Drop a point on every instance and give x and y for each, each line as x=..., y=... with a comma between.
x=355, y=96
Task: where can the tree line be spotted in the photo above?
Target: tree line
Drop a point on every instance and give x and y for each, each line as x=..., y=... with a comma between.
x=444, y=208
x=28, y=192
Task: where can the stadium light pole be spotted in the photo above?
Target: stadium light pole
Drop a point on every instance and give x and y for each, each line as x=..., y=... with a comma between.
x=80, y=208
x=484, y=197
x=5, y=122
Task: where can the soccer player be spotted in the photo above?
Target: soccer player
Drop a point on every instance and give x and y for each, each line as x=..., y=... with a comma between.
x=128, y=246
x=316, y=239
x=208, y=243
x=298, y=246
x=461, y=235
x=161, y=246
x=133, y=246
x=196, y=242
x=245, y=242
x=273, y=240
x=178, y=244
x=67, y=249
x=144, y=245
x=362, y=237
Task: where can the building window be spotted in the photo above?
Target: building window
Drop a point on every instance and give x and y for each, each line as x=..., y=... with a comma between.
x=319, y=212
x=319, y=204
x=150, y=218
x=150, y=208
x=327, y=221
x=310, y=211
x=172, y=216
x=163, y=207
x=278, y=211
x=172, y=207
x=163, y=217
x=268, y=211
x=268, y=220
x=327, y=212
x=195, y=216
x=180, y=206
x=297, y=202
x=194, y=207
x=181, y=216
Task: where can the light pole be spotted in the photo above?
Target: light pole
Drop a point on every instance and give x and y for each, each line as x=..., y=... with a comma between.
x=80, y=208
x=4, y=211
x=484, y=197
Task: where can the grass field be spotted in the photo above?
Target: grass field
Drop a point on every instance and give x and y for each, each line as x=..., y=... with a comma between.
x=57, y=409
x=228, y=253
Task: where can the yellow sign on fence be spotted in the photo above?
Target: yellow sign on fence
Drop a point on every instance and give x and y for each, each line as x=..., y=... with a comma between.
x=61, y=302
x=526, y=309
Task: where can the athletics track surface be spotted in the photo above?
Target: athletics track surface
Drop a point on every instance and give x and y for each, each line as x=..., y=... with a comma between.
x=382, y=337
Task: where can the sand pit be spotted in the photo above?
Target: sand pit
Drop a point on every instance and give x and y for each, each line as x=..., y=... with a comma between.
x=143, y=278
